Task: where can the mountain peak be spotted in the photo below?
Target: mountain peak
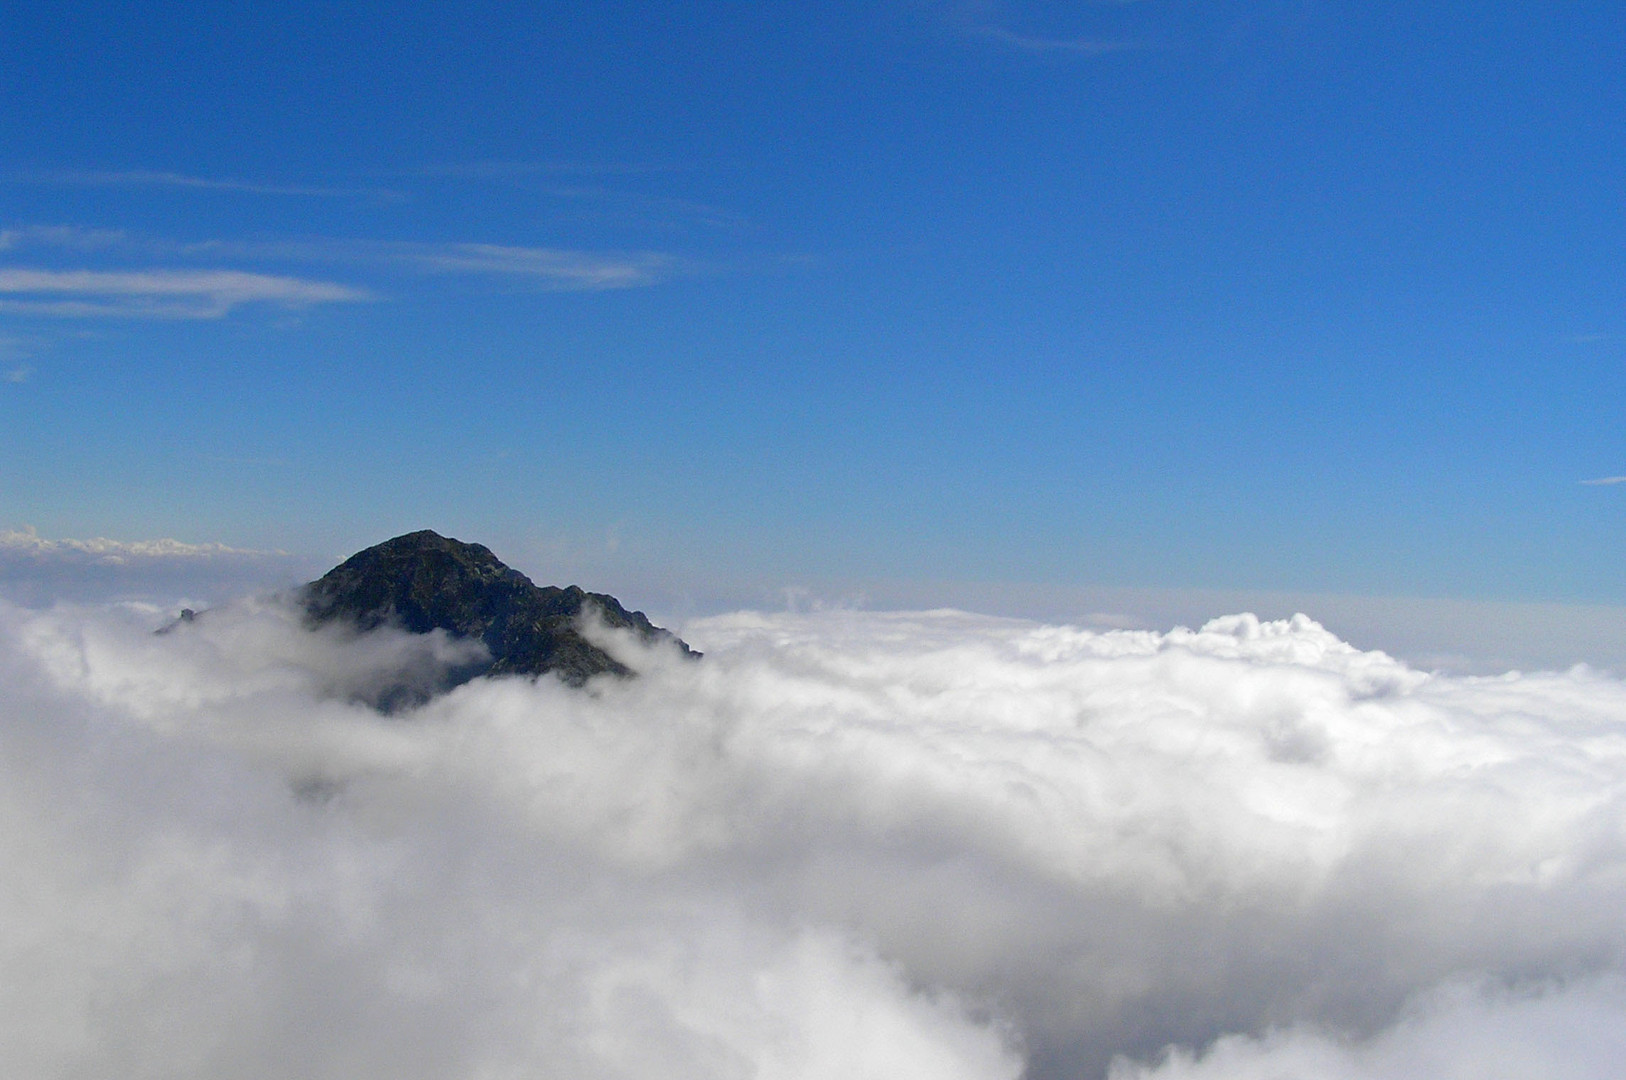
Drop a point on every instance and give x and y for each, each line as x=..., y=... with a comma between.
x=423, y=581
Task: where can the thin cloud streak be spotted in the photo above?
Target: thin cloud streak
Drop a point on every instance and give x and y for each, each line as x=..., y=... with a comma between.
x=158, y=178
x=1605, y=480
x=64, y=238
x=161, y=294
x=558, y=269
x=561, y=268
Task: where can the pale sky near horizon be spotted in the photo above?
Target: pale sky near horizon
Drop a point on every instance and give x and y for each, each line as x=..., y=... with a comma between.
x=1296, y=296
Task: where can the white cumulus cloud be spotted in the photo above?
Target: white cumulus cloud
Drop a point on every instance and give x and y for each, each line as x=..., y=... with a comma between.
x=844, y=844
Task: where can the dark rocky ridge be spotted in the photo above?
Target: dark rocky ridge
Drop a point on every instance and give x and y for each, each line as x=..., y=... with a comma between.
x=424, y=581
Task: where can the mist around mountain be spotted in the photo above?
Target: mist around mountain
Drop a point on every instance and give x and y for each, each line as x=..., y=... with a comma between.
x=423, y=582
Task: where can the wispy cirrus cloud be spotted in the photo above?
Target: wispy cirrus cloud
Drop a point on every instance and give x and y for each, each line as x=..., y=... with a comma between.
x=63, y=238
x=560, y=269
x=204, y=292
x=166, y=179
x=1604, y=481
x=555, y=267
x=160, y=293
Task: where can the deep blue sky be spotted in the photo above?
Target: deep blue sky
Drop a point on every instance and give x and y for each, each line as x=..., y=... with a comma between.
x=1308, y=296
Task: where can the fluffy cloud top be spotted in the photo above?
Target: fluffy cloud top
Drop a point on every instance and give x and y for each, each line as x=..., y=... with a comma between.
x=844, y=845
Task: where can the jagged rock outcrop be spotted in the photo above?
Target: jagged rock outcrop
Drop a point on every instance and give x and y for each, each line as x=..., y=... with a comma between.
x=424, y=581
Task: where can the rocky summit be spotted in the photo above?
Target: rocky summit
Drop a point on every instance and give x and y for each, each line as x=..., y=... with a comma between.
x=424, y=581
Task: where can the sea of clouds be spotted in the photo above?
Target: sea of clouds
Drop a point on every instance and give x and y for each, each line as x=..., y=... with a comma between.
x=844, y=845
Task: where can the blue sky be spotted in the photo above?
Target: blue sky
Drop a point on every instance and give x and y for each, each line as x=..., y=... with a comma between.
x=1316, y=297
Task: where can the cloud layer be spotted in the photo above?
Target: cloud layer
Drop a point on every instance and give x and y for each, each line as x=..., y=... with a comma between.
x=846, y=844
x=36, y=571
x=29, y=542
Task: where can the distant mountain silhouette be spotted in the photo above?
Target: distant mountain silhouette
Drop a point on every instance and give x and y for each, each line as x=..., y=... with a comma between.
x=424, y=581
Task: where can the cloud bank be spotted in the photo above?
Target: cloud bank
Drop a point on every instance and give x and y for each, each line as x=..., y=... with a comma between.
x=28, y=541
x=37, y=571
x=846, y=844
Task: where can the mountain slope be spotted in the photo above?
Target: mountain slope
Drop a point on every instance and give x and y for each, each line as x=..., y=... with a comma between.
x=424, y=581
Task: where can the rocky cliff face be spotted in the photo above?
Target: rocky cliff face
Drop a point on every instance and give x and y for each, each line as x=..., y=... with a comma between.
x=424, y=581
